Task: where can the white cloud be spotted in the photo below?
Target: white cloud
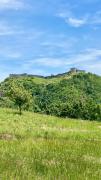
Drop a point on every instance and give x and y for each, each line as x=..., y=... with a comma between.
x=87, y=19
x=88, y=57
x=76, y=22
x=11, y=4
x=70, y=19
x=88, y=60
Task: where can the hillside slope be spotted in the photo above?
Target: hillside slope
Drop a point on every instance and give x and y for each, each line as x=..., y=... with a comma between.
x=72, y=94
x=34, y=146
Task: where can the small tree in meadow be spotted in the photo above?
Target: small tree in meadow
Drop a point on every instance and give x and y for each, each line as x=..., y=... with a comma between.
x=19, y=96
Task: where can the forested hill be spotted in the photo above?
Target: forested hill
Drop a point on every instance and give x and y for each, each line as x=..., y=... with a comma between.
x=74, y=94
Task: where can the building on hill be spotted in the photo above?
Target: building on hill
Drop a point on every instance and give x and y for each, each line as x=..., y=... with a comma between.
x=24, y=75
x=17, y=75
x=72, y=71
x=75, y=70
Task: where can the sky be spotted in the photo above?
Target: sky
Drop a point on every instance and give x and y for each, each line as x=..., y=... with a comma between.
x=49, y=36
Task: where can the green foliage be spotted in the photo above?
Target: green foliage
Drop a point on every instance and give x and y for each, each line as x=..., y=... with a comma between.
x=68, y=95
x=67, y=100
x=6, y=102
x=19, y=96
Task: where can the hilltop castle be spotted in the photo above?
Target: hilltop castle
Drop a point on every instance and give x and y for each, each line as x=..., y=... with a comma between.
x=75, y=70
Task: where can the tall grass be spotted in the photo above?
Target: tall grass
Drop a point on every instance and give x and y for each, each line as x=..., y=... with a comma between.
x=40, y=147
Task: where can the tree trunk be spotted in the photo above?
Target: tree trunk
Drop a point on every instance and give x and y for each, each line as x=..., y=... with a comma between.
x=20, y=110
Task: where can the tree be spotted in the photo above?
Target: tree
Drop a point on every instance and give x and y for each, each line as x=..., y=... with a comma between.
x=19, y=96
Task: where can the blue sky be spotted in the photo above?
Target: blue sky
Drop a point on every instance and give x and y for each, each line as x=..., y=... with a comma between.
x=49, y=36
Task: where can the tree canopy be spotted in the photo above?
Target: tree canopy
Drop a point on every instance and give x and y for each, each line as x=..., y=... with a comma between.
x=69, y=95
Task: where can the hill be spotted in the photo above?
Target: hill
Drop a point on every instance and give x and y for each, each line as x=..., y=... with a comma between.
x=47, y=79
x=75, y=94
x=35, y=146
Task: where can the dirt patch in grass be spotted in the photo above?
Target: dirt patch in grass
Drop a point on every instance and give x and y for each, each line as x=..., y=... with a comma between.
x=92, y=159
x=7, y=136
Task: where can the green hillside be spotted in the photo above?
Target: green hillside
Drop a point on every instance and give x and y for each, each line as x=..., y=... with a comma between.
x=42, y=79
x=35, y=146
x=75, y=94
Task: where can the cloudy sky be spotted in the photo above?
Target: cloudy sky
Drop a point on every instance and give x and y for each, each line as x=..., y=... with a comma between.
x=49, y=36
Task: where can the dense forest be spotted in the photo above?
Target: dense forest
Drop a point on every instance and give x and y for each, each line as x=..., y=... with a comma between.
x=75, y=94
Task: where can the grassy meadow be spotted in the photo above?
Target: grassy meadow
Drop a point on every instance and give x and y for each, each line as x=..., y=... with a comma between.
x=40, y=147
